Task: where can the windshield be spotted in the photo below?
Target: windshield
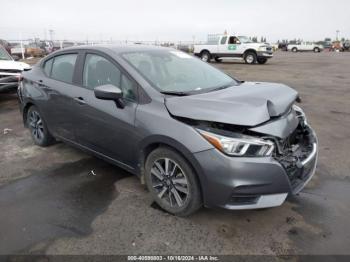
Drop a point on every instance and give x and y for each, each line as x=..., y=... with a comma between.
x=4, y=55
x=245, y=39
x=177, y=72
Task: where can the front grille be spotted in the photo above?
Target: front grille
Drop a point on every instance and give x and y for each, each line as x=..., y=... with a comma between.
x=13, y=71
x=243, y=199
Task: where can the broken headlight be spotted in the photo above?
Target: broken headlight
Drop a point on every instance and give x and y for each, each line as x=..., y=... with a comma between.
x=300, y=113
x=240, y=145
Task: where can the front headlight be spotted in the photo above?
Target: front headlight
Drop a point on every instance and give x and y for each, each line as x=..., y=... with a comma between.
x=300, y=113
x=239, y=146
x=262, y=48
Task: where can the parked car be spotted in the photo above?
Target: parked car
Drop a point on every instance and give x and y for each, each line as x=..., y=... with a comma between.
x=302, y=47
x=346, y=45
x=10, y=71
x=283, y=46
x=234, y=47
x=29, y=50
x=47, y=46
x=17, y=50
x=56, y=46
x=195, y=135
x=327, y=45
x=34, y=50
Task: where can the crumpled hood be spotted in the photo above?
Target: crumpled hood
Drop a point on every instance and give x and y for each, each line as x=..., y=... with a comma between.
x=248, y=104
x=13, y=65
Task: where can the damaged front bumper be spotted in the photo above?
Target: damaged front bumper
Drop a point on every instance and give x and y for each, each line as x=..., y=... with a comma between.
x=9, y=83
x=253, y=182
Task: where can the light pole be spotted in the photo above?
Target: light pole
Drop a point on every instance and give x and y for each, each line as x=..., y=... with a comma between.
x=337, y=38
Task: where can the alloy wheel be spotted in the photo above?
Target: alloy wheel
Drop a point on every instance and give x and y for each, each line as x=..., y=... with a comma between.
x=205, y=57
x=250, y=59
x=36, y=125
x=170, y=182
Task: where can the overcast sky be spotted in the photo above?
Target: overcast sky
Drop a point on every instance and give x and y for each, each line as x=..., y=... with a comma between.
x=173, y=20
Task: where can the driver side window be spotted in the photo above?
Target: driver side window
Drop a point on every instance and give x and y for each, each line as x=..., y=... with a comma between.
x=233, y=40
x=99, y=71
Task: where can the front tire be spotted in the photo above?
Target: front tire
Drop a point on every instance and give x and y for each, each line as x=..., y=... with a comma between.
x=38, y=128
x=317, y=50
x=172, y=182
x=250, y=58
x=205, y=56
x=294, y=49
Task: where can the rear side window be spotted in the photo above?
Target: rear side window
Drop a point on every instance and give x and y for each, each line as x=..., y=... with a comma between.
x=48, y=66
x=223, y=40
x=99, y=71
x=63, y=67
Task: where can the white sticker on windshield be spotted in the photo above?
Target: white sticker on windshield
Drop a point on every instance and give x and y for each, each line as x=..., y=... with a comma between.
x=180, y=54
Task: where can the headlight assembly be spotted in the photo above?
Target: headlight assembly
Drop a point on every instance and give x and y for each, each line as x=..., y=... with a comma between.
x=262, y=48
x=244, y=146
x=300, y=113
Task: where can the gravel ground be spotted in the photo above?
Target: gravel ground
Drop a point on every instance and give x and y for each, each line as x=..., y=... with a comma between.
x=51, y=203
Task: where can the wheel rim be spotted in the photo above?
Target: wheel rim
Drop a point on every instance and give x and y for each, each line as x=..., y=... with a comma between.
x=170, y=182
x=205, y=57
x=250, y=59
x=36, y=125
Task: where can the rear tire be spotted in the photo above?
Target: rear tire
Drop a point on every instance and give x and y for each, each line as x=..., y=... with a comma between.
x=262, y=61
x=250, y=58
x=205, y=56
x=317, y=50
x=38, y=128
x=218, y=60
x=172, y=182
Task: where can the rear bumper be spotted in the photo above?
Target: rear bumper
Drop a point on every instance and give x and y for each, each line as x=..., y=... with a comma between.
x=249, y=183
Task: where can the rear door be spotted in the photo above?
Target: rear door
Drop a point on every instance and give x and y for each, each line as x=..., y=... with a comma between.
x=57, y=87
x=100, y=124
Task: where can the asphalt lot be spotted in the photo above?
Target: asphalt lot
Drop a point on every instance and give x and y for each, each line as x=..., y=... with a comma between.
x=51, y=203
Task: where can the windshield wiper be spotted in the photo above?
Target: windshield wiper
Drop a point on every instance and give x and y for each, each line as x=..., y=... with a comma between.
x=221, y=87
x=175, y=93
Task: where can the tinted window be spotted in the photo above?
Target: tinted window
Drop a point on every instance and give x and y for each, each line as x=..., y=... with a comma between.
x=99, y=71
x=223, y=40
x=48, y=66
x=63, y=67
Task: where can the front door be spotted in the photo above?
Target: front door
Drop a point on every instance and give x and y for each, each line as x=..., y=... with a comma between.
x=100, y=124
x=234, y=46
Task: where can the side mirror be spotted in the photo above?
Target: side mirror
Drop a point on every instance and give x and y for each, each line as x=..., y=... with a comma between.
x=110, y=92
x=238, y=42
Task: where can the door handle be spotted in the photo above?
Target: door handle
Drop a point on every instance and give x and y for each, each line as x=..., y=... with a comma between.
x=41, y=84
x=79, y=100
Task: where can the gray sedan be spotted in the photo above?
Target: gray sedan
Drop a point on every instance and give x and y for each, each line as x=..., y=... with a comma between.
x=193, y=134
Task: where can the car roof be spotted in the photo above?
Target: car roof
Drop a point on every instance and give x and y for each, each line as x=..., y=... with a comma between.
x=119, y=48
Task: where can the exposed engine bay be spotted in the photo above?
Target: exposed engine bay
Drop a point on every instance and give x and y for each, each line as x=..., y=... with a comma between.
x=291, y=151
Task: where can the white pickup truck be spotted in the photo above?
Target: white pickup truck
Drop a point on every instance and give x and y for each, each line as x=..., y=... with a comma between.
x=305, y=47
x=234, y=47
